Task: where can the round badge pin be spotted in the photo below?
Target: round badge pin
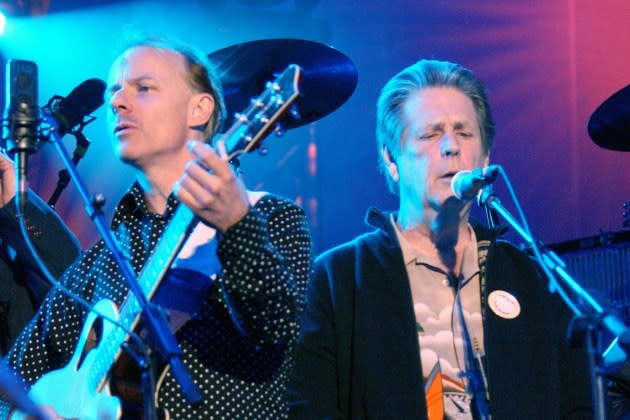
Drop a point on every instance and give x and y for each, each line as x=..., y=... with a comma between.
x=504, y=304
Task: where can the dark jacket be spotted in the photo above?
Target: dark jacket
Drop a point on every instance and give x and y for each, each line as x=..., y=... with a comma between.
x=358, y=354
x=22, y=286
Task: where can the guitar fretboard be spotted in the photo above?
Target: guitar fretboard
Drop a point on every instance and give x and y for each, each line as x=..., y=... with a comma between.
x=165, y=251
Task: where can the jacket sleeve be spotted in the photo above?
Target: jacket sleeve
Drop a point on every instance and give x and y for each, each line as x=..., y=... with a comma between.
x=55, y=243
x=266, y=262
x=314, y=385
x=568, y=351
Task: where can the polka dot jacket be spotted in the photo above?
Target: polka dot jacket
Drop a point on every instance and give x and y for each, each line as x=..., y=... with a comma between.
x=236, y=345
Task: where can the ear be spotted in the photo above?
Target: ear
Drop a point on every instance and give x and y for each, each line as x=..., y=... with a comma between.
x=390, y=163
x=201, y=107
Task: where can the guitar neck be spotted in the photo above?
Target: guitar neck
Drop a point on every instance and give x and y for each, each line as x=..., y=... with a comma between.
x=172, y=240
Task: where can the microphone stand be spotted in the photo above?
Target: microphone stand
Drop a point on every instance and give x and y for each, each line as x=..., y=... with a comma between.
x=154, y=320
x=64, y=177
x=491, y=215
x=588, y=312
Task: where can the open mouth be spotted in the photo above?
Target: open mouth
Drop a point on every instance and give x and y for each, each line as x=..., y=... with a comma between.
x=121, y=127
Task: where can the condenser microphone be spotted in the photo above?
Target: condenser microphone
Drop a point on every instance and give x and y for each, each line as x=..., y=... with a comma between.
x=21, y=115
x=80, y=102
x=466, y=184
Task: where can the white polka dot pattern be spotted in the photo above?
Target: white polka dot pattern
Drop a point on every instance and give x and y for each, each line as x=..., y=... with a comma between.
x=236, y=345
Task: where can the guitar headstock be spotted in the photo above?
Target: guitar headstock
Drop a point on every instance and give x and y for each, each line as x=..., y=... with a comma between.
x=258, y=120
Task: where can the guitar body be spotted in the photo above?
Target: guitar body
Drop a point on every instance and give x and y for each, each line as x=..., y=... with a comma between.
x=70, y=389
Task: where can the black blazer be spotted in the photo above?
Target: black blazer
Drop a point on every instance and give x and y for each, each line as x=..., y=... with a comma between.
x=358, y=355
x=22, y=286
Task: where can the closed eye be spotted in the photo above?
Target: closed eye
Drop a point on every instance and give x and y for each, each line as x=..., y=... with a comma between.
x=427, y=136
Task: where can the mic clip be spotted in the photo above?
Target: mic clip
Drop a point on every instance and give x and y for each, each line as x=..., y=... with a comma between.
x=51, y=109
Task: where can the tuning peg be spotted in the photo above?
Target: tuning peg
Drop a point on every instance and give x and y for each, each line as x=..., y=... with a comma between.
x=98, y=201
x=295, y=114
x=241, y=118
x=262, y=150
x=279, y=130
x=273, y=86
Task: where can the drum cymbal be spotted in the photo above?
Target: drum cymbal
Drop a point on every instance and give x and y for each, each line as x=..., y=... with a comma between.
x=329, y=77
x=609, y=126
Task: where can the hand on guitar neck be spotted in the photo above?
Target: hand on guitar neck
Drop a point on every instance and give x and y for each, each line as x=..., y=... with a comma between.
x=211, y=189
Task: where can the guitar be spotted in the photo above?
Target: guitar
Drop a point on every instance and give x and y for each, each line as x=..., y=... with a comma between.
x=80, y=389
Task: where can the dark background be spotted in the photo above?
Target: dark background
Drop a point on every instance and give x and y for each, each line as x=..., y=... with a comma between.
x=547, y=66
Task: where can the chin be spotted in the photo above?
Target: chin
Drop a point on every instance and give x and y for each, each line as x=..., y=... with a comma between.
x=123, y=154
x=444, y=194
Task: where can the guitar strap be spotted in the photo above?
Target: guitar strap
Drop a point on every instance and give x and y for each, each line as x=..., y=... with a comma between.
x=181, y=293
x=186, y=284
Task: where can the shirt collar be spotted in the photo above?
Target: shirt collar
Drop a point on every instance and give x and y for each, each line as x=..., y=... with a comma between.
x=133, y=203
x=414, y=255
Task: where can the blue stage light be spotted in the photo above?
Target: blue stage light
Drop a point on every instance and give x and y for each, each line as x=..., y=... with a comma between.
x=3, y=22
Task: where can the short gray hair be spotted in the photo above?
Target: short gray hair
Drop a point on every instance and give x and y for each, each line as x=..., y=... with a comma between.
x=421, y=75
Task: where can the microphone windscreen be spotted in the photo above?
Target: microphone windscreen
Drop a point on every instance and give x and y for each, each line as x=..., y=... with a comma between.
x=82, y=101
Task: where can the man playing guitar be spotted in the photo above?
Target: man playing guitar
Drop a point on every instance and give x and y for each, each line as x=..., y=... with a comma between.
x=235, y=289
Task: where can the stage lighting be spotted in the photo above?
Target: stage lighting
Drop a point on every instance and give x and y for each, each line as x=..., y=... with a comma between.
x=3, y=22
x=21, y=8
x=24, y=7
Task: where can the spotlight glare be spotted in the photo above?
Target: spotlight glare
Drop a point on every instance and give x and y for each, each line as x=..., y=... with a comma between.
x=3, y=22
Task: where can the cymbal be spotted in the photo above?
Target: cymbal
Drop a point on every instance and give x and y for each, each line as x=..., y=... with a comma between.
x=329, y=77
x=609, y=126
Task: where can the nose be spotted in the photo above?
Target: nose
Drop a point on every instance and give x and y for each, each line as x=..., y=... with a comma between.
x=118, y=101
x=449, y=145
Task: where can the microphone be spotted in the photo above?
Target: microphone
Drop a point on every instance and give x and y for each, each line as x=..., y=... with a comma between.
x=81, y=101
x=67, y=113
x=466, y=184
x=21, y=115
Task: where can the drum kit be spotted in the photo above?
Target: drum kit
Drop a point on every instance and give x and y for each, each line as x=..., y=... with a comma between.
x=609, y=127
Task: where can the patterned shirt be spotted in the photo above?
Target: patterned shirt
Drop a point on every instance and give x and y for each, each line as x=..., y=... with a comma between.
x=439, y=325
x=236, y=345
